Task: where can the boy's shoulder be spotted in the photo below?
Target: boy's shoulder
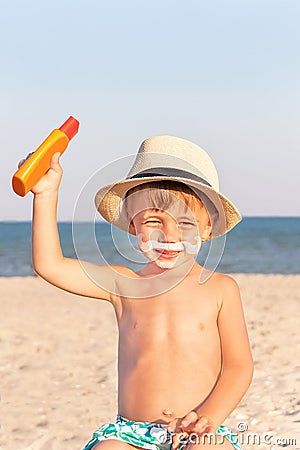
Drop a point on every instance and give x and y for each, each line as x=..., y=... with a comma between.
x=225, y=284
x=228, y=292
x=224, y=279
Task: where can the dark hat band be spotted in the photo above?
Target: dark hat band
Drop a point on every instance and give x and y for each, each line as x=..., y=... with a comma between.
x=169, y=172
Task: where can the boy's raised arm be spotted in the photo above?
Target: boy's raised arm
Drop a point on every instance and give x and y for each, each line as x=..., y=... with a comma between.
x=48, y=260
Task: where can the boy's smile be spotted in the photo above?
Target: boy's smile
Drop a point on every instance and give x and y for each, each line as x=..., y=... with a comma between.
x=163, y=254
x=167, y=250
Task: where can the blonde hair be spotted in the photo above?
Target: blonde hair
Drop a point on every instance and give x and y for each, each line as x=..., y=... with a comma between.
x=162, y=194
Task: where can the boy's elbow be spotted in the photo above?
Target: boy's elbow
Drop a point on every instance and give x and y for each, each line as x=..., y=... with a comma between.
x=243, y=371
x=46, y=267
x=37, y=269
x=40, y=273
x=47, y=272
x=40, y=270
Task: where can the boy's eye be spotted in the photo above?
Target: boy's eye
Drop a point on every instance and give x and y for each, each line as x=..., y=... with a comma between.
x=187, y=224
x=152, y=221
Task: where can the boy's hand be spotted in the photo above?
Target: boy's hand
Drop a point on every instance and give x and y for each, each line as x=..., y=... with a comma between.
x=49, y=183
x=191, y=423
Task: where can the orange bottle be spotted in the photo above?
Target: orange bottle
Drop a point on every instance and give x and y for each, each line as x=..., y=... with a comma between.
x=39, y=162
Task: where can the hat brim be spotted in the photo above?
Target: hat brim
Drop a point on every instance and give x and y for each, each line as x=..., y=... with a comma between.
x=109, y=198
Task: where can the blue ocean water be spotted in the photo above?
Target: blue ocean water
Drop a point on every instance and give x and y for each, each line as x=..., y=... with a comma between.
x=256, y=245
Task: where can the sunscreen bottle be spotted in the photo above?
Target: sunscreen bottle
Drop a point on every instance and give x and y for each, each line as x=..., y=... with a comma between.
x=39, y=162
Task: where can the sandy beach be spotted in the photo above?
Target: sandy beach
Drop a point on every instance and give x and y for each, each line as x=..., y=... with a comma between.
x=58, y=365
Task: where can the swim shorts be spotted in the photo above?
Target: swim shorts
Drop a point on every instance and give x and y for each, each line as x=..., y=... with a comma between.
x=149, y=435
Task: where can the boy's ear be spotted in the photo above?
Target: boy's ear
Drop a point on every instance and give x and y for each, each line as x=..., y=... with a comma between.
x=131, y=228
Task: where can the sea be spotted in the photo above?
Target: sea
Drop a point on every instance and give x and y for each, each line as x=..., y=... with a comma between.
x=267, y=245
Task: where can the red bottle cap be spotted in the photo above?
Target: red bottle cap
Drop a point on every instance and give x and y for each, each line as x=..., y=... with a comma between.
x=70, y=127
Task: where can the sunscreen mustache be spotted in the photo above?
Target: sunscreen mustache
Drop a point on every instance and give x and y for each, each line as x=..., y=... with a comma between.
x=152, y=244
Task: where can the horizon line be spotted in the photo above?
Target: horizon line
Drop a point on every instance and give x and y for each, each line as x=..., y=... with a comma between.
x=108, y=223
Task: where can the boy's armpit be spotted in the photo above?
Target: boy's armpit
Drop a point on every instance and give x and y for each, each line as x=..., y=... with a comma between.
x=104, y=279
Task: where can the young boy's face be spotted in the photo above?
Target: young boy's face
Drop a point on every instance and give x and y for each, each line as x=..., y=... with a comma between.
x=171, y=236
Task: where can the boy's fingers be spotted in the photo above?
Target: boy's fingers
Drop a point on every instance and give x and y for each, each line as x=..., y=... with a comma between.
x=175, y=443
x=203, y=425
x=28, y=156
x=200, y=425
x=21, y=162
x=204, y=421
x=56, y=157
x=54, y=164
x=190, y=418
x=174, y=424
x=179, y=438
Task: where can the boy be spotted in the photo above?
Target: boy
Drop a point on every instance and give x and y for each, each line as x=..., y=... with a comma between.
x=184, y=358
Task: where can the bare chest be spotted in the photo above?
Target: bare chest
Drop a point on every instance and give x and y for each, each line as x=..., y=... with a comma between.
x=178, y=318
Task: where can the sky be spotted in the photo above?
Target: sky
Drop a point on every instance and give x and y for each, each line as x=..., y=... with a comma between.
x=223, y=74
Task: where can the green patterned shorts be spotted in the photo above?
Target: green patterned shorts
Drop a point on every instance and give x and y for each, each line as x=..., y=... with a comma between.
x=148, y=435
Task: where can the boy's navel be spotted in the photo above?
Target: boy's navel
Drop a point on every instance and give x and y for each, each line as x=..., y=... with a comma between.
x=167, y=412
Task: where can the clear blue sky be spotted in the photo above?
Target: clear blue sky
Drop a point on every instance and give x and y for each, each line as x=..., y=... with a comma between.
x=224, y=74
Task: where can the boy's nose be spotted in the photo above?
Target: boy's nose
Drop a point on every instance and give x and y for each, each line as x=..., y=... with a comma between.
x=171, y=232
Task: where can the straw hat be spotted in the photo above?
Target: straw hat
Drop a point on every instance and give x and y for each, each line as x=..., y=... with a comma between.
x=169, y=158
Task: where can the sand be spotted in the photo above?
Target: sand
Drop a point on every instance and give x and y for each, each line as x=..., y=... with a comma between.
x=58, y=364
